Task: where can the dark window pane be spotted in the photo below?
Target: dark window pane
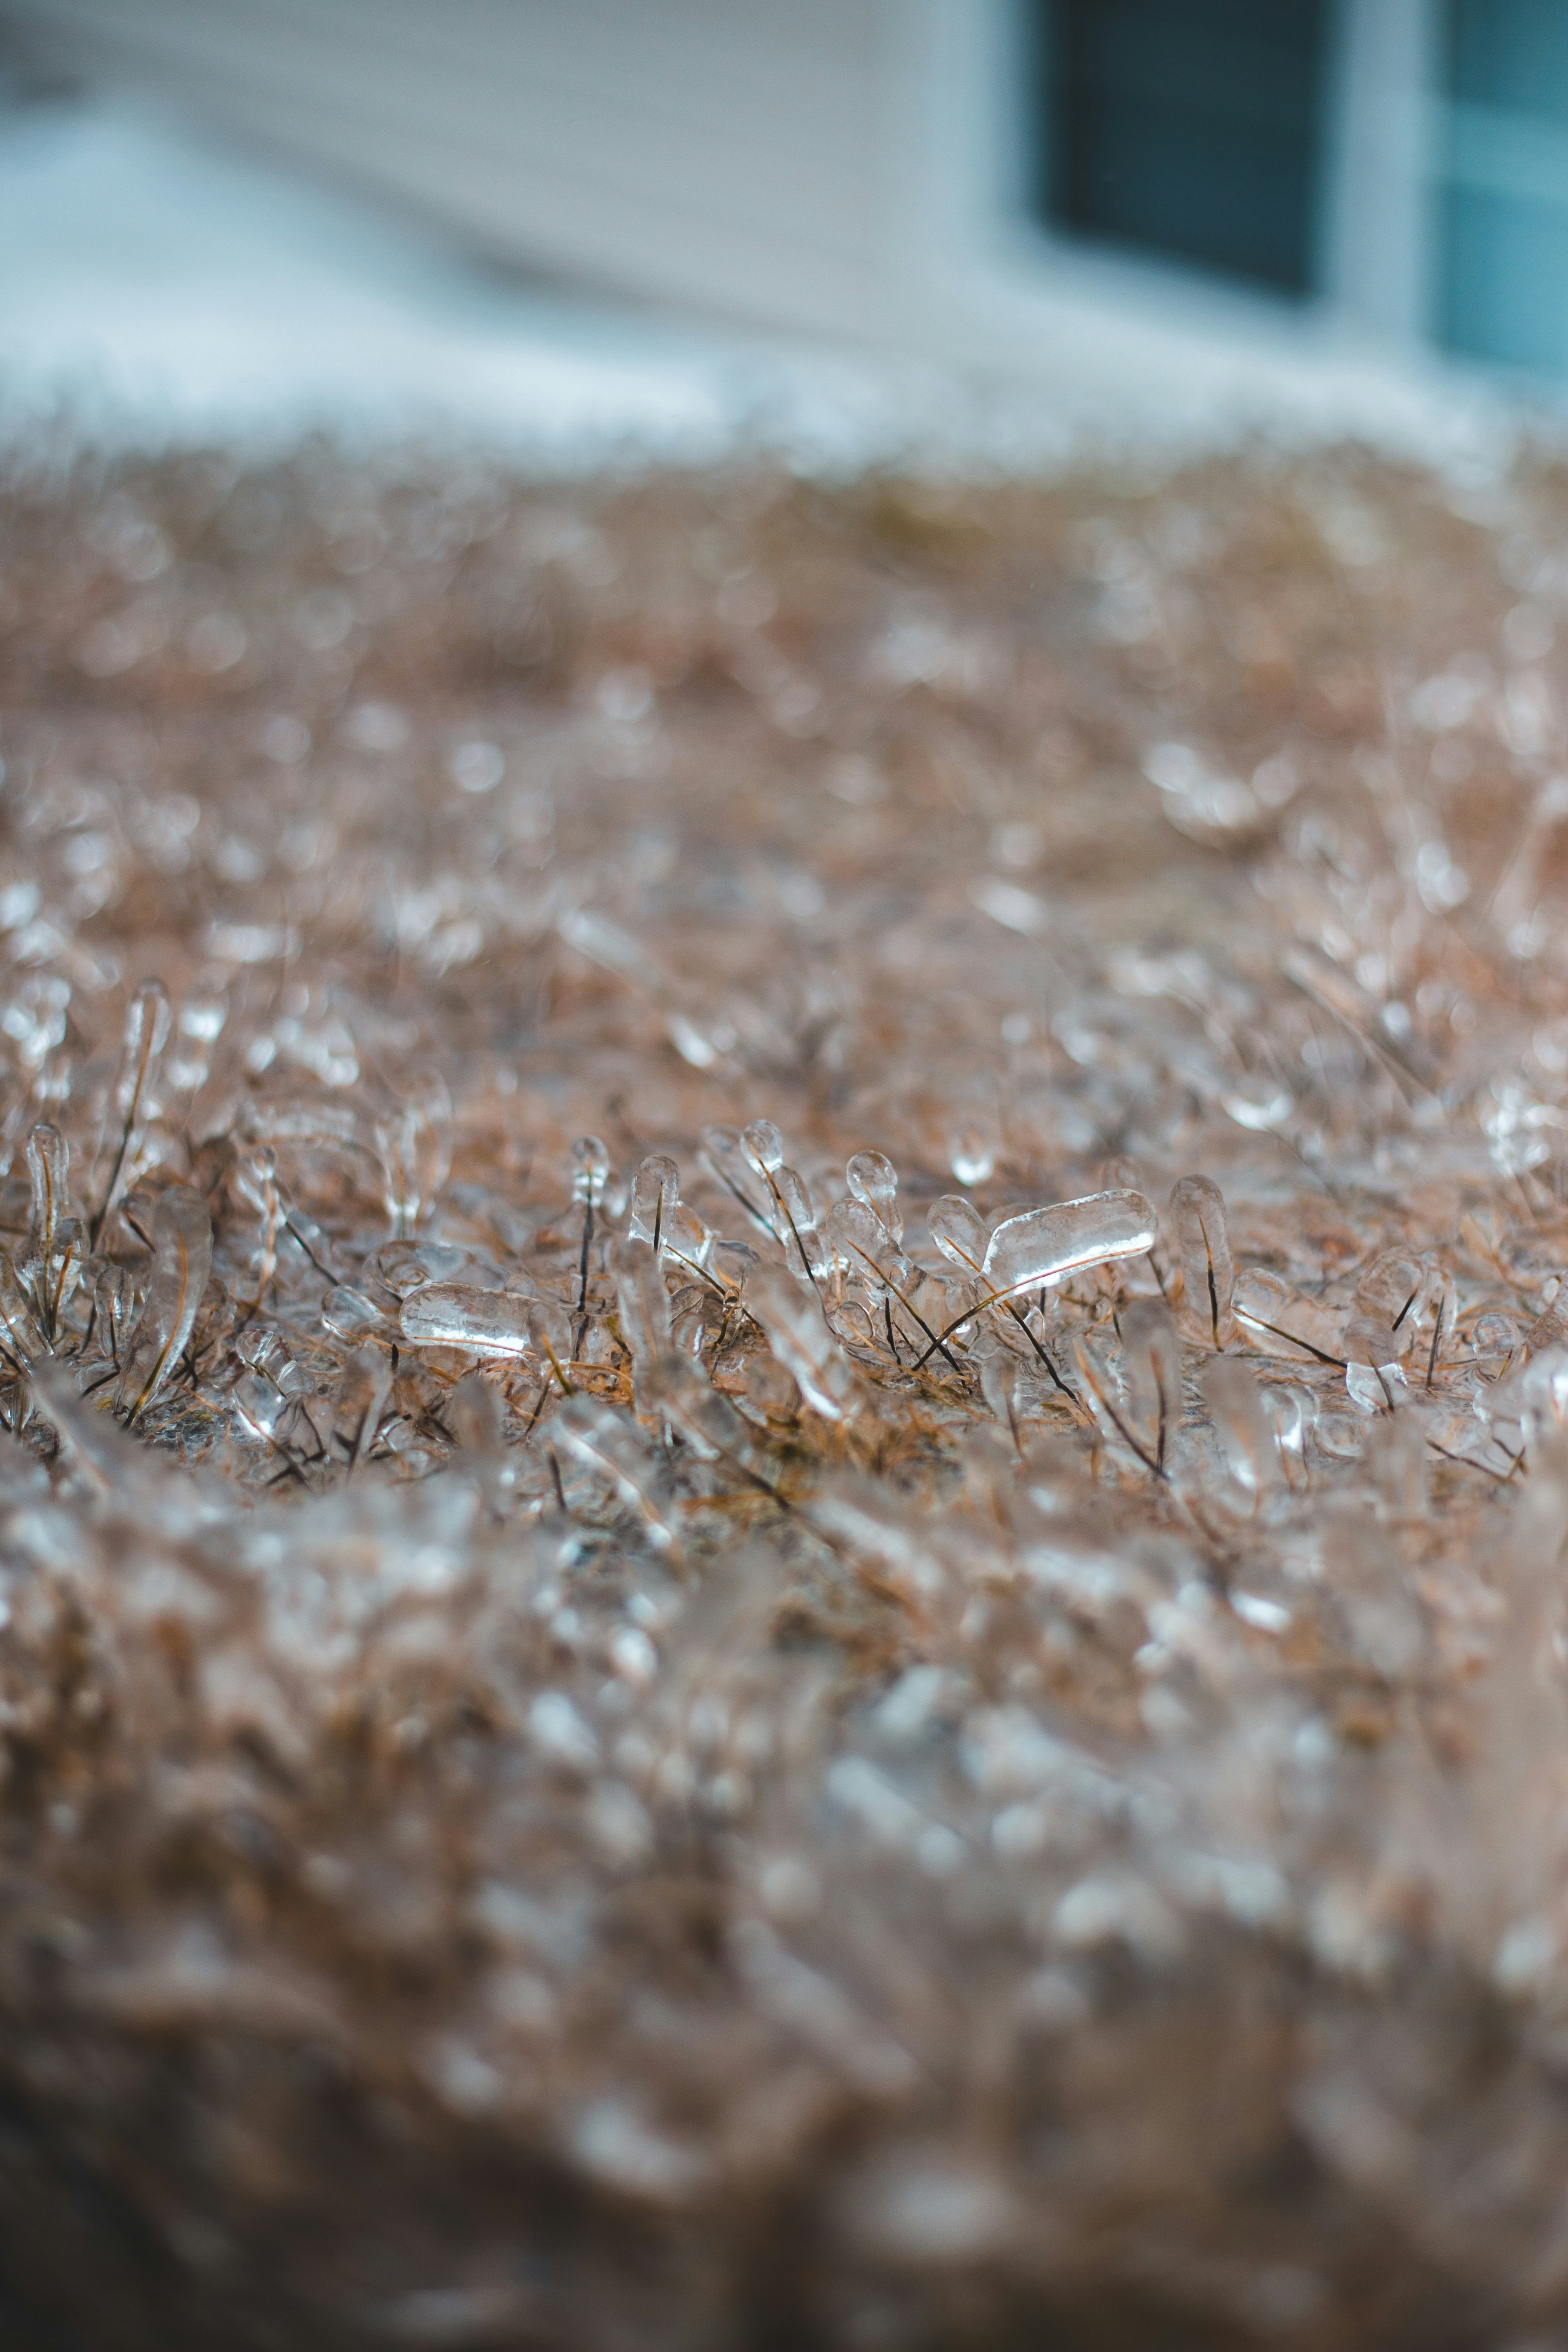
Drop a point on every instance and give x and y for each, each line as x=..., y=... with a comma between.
x=1511, y=53
x=1505, y=206
x=1188, y=128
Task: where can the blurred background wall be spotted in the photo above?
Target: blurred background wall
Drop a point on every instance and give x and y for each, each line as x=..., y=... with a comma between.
x=990, y=182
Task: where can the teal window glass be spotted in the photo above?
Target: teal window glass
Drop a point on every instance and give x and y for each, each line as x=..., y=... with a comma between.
x=1503, y=279
x=1191, y=130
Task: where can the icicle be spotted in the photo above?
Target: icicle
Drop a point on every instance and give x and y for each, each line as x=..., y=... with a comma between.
x=788, y=1213
x=473, y=1415
x=1444, y=1316
x=182, y=1260
x=764, y=1145
x=258, y=1184
x=1153, y=1356
x=590, y=1174
x=399, y=1268
x=801, y=1341
x=57, y=1246
x=874, y=1180
x=1232, y=1397
x=1098, y=1388
x=415, y=1149
x=1290, y=1412
x=1203, y=1244
x=483, y=1322
x=197, y=1030
x=642, y=1299
x=364, y=1386
x=549, y=1333
x=1278, y=1321
x=972, y=1152
x=655, y=1197
x=1043, y=1245
x=612, y=1447
x=590, y=1170
x=855, y=1239
x=961, y=1302
x=21, y=1336
x=807, y=1252
x=310, y=1239
x=736, y=1170
x=61, y=1279
x=146, y=1034
x=114, y=1302
x=707, y=1422
x=998, y=1373
x=686, y=1242
x=1385, y=1308
x=354, y=1316
x=959, y=1231
x=48, y=1172
x=260, y=1404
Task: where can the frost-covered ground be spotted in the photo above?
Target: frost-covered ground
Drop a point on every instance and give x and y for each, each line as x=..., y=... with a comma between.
x=167, y=287
x=172, y=287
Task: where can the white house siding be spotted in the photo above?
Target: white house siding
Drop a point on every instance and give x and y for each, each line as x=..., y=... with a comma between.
x=727, y=153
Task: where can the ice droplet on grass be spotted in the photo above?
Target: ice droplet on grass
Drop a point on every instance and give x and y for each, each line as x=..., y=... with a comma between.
x=807, y=1252
x=474, y=1416
x=146, y=1034
x=959, y=1231
x=1153, y=1355
x=604, y=1442
x=1203, y=1244
x=182, y=1259
x=642, y=1300
x=685, y=1239
x=654, y=1196
x=1278, y=1319
x=736, y=1170
x=801, y=1340
x=971, y=1154
x=710, y=1424
x=856, y=1239
x=1043, y=1245
x=764, y=1145
x=362, y=1390
x=1232, y=1397
x=590, y=1170
x=48, y=1172
x=351, y=1315
x=873, y=1179
x=450, y=1315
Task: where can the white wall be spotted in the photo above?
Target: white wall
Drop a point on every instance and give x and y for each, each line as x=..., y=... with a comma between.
x=726, y=153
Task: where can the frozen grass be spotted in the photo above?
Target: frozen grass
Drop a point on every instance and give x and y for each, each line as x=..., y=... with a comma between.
x=603, y=1755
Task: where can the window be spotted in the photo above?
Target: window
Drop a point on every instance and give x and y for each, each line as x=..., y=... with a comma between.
x=1503, y=237
x=1405, y=163
x=1189, y=130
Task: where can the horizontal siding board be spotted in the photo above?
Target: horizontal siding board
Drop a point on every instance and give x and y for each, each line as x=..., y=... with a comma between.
x=775, y=146
x=767, y=214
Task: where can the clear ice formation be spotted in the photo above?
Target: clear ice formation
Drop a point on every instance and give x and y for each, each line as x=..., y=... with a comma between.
x=480, y=1322
x=1203, y=1244
x=1039, y=1247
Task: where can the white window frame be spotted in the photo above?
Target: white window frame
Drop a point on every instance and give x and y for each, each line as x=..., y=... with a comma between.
x=975, y=250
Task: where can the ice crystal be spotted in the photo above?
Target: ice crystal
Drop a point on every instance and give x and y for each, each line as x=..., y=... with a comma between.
x=626, y=1721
